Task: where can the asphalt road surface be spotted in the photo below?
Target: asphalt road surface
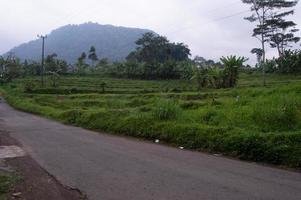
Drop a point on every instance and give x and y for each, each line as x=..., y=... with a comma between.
x=108, y=167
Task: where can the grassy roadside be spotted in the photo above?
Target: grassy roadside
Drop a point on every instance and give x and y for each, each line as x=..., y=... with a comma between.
x=7, y=182
x=248, y=122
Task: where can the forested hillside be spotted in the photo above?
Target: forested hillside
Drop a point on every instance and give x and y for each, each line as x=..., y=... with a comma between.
x=68, y=42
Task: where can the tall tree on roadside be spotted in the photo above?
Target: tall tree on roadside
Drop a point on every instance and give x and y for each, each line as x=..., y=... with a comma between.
x=92, y=55
x=263, y=12
x=282, y=31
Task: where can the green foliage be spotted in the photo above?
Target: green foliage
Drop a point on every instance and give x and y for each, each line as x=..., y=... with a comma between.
x=103, y=86
x=289, y=62
x=29, y=87
x=92, y=55
x=55, y=65
x=217, y=77
x=7, y=182
x=248, y=122
x=54, y=78
x=272, y=27
x=232, y=64
x=166, y=110
x=134, y=70
x=157, y=49
x=157, y=58
x=277, y=113
x=9, y=69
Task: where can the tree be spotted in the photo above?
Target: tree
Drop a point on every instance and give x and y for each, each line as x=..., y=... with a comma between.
x=158, y=58
x=232, y=64
x=258, y=52
x=178, y=51
x=50, y=62
x=289, y=62
x=81, y=64
x=54, y=78
x=53, y=64
x=153, y=49
x=92, y=55
x=103, y=62
x=283, y=32
x=201, y=76
x=263, y=13
x=81, y=59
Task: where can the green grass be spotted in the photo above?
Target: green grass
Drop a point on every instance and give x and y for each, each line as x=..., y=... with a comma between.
x=7, y=181
x=248, y=122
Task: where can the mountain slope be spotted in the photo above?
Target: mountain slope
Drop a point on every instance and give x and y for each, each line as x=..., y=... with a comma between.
x=68, y=42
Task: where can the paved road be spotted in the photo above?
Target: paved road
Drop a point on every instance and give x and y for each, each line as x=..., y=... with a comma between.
x=115, y=168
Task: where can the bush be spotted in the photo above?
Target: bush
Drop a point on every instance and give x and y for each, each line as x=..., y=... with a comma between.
x=289, y=62
x=166, y=110
x=29, y=87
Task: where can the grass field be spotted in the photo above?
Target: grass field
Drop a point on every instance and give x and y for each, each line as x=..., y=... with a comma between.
x=249, y=122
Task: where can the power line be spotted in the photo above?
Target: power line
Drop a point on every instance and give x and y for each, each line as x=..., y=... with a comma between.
x=209, y=22
x=208, y=12
x=79, y=12
x=186, y=28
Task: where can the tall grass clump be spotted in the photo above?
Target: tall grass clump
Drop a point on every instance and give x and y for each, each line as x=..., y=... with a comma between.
x=277, y=112
x=166, y=110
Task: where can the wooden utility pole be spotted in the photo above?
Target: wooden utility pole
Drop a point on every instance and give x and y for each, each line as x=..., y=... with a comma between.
x=43, y=53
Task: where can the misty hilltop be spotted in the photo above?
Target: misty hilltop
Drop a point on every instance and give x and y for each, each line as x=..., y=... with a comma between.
x=69, y=41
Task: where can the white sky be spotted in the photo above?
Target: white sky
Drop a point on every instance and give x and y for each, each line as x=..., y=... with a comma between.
x=205, y=25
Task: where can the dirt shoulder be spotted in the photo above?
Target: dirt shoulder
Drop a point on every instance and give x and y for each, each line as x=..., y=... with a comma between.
x=34, y=182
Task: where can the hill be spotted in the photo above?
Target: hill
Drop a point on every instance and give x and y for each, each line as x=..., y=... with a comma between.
x=69, y=41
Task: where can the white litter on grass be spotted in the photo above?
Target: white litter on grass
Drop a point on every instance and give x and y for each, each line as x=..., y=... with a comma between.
x=11, y=152
x=181, y=148
x=157, y=141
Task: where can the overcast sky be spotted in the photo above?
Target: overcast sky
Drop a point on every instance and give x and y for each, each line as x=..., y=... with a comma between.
x=211, y=28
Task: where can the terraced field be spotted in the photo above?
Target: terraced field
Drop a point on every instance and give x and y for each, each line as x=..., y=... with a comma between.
x=249, y=122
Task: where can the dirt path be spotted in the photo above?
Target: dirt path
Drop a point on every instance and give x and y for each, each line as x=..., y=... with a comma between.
x=111, y=168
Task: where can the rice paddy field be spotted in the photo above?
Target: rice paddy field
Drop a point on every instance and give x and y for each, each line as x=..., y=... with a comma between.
x=249, y=122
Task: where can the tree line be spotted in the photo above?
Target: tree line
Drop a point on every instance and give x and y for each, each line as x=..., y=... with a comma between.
x=157, y=58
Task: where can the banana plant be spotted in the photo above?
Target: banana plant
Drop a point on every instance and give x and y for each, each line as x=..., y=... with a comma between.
x=232, y=65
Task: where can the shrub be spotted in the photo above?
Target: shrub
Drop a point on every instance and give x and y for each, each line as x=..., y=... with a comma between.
x=166, y=110
x=289, y=62
x=29, y=87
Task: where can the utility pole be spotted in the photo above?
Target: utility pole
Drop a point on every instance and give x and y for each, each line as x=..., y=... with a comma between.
x=43, y=52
